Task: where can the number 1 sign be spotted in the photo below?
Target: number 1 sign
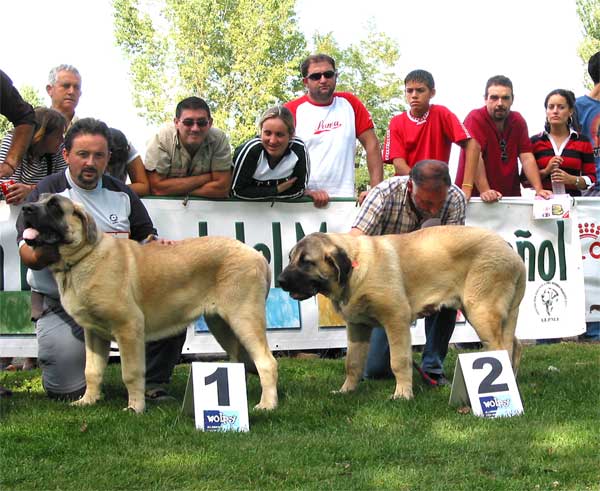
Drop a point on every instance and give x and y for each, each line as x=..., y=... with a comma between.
x=216, y=396
x=486, y=382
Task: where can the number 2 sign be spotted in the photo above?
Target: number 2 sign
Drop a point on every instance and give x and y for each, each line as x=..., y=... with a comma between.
x=486, y=382
x=216, y=396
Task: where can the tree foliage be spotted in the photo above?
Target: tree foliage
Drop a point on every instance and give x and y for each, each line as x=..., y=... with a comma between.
x=589, y=14
x=30, y=95
x=236, y=54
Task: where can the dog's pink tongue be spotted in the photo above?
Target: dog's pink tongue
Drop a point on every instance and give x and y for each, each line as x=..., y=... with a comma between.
x=30, y=234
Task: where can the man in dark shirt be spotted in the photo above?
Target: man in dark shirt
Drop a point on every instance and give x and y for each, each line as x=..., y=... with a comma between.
x=21, y=115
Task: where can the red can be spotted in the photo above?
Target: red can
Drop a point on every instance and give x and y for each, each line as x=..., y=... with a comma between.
x=5, y=185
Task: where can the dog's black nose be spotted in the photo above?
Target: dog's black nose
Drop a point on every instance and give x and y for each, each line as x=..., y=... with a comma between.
x=283, y=282
x=28, y=208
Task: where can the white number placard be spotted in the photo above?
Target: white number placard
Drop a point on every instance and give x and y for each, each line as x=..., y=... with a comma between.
x=485, y=381
x=216, y=396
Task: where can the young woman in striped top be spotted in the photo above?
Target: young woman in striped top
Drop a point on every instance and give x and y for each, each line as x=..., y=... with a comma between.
x=563, y=155
x=40, y=159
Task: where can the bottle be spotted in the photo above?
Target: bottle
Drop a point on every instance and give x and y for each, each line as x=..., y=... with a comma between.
x=558, y=188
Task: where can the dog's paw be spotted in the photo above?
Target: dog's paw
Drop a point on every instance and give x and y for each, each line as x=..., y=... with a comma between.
x=347, y=387
x=265, y=406
x=403, y=393
x=131, y=409
x=344, y=390
x=136, y=405
x=85, y=400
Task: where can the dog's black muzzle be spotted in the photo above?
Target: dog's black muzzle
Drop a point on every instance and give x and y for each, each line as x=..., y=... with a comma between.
x=42, y=226
x=298, y=284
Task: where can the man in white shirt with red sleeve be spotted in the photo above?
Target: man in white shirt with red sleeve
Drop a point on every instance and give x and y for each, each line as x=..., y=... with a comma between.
x=329, y=123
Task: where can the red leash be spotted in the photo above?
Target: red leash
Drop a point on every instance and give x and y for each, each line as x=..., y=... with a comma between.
x=425, y=376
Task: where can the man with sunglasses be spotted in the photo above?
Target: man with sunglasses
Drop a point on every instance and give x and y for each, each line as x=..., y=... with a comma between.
x=189, y=157
x=504, y=139
x=329, y=123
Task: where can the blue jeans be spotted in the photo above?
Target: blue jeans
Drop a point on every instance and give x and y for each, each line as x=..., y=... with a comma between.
x=438, y=331
x=592, y=330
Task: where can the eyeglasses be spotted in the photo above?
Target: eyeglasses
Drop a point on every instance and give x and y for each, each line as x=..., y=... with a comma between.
x=503, y=154
x=191, y=122
x=317, y=75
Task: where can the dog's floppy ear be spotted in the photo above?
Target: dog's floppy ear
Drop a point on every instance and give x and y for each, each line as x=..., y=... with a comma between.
x=89, y=224
x=341, y=262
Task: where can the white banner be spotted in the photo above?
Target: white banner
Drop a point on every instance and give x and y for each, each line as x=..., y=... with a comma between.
x=553, y=306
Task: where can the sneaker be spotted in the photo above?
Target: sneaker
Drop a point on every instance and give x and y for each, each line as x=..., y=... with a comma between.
x=439, y=379
x=29, y=364
x=4, y=392
x=432, y=379
x=158, y=394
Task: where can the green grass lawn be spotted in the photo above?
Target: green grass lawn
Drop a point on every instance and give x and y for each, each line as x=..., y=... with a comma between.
x=315, y=439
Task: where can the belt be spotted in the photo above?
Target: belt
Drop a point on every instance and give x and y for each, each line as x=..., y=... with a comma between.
x=41, y=303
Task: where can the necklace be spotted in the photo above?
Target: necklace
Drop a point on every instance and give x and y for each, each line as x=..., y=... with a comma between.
x=418, y=121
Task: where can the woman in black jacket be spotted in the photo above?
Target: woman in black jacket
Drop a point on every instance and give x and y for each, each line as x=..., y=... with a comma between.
x=274, y=164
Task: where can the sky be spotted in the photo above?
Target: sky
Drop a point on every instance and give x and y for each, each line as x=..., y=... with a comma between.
x=461, y=42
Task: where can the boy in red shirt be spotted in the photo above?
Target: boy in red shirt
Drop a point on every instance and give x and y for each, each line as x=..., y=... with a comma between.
x=427, y=131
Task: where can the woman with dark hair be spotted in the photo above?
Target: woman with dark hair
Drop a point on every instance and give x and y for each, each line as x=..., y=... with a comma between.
x=565, y=157
x=274, y=164
x=40, y=160
x=125, y=161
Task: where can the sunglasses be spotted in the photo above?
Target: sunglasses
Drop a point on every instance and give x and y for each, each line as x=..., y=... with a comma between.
x=191, y=122
x=317, y=75
x=503, y=154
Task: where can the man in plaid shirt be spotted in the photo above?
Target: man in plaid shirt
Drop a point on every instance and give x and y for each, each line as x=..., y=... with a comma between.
x=400, y=205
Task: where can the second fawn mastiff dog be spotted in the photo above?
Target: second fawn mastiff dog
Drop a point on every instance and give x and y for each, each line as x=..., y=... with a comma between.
x=391, y=280
x=161, y=289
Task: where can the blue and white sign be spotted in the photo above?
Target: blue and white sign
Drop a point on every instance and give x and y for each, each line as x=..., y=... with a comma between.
x=485, y=381
x=216, y=396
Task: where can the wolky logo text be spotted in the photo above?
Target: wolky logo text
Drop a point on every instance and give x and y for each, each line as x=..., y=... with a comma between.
x=494, y=405
x=221, y=420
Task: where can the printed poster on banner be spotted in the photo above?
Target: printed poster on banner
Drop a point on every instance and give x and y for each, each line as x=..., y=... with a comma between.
x=557, y=207
x=589, y=234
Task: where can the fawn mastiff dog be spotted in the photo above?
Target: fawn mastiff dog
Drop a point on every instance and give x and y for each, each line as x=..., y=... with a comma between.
x=391, y=280
x=132, y=293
